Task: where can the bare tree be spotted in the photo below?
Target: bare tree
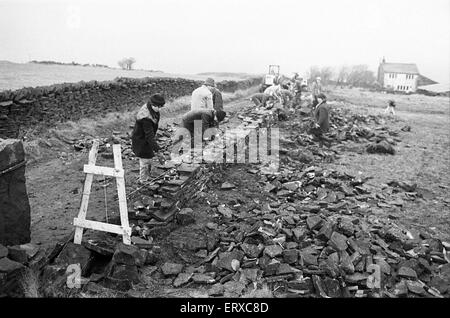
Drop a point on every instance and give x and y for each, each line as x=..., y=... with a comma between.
x=312, y=73
x=127, y=63
x=343, y=74
x=360, y=75
x=326, y=73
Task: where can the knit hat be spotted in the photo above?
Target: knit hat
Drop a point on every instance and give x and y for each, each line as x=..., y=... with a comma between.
x=210, y=82
x=157, y=100
x=220, y=114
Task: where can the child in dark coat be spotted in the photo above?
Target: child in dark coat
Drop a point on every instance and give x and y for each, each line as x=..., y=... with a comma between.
x=143, y=139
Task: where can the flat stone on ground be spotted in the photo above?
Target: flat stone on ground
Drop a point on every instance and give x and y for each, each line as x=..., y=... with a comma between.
x=407, y=272
x=314, y=222
x=7, y=265
x=273, y=251
x=338, y=241
x=182, y=279
x=170, y=269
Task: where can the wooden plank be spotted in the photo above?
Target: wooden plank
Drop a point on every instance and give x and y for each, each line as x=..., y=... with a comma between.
x=99, y=226
x=121, y=193
x=104, y=171
x=86, y=192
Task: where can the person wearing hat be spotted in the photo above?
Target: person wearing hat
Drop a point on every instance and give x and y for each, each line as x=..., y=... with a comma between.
x=202, y=98
x=316, y=89
x=143, y=138
x=207, y=118
x=216, y=95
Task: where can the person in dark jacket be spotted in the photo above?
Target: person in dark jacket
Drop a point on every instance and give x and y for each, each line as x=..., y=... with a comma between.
x=143, y=139
x=322, y=113
x=217, y=98
x=298, y=87
x=208, y=118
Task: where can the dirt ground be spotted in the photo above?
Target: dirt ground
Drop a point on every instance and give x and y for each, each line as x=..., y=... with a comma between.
x=55, y=181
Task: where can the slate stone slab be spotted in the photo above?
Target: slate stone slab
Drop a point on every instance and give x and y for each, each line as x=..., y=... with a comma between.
x=14, y=204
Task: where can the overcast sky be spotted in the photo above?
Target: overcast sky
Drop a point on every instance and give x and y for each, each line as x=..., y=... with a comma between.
x=192, y=36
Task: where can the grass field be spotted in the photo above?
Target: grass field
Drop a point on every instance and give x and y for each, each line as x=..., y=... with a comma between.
x=15, y=76
x=414, y=103
x=423, y=156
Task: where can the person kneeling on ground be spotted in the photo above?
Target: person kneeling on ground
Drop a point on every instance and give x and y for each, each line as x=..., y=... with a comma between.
x=209, y=118
x=143, y=139
x=260, y=99
x=274, y=92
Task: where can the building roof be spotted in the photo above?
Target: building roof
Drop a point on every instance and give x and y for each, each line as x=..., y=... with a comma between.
x=405, y=68
x=423, y=80
x=437, y=88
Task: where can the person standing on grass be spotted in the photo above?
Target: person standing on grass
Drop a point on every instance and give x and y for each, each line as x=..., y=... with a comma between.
x=143, y=139
x=202, y=97
x=322, y=114
x=390, y=108
x=298, y=81
x=216, y=95
x=322, y=120
x=316, y=89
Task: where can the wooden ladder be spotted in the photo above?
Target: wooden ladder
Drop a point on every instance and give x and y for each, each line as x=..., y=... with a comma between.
x=91, y=169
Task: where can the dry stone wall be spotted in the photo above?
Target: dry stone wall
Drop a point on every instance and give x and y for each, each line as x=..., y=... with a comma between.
x=42, y=107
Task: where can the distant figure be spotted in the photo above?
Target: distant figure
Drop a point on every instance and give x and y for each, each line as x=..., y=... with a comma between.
x=202, y=98
x=390, y=108
x=322, y=114
x=217, y=98
x=143, y=139
x=287, y=97
x=316, y=89
x=298, y=81
x=209, y=118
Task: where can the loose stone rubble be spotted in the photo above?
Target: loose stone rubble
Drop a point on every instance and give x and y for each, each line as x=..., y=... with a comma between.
x=301, y=231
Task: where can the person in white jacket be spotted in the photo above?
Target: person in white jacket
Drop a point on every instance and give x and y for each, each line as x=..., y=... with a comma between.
x=274, y=92
x=202, y=98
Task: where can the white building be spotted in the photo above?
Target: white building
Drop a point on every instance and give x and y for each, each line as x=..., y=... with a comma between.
x=401, y=77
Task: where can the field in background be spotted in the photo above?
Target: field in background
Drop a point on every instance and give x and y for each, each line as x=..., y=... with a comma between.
x=15, y=76
x=422, y=157
x=414, y=103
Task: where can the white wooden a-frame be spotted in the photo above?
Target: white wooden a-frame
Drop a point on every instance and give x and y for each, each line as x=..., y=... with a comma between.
x=91, y=169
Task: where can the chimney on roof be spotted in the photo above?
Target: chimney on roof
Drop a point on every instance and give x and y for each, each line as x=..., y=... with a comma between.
x=384, y=60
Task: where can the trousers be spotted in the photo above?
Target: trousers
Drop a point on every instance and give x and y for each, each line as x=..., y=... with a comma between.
x=144, y=169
